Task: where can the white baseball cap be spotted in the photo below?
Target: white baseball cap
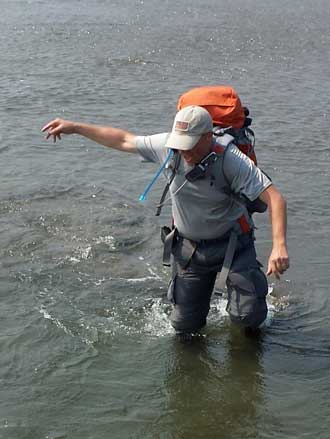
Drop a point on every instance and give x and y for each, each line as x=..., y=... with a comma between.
x=189, y=125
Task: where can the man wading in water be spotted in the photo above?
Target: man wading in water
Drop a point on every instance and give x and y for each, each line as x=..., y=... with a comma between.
x=212, y=231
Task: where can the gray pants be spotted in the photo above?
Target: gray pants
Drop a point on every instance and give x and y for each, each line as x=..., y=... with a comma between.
x=192, y=285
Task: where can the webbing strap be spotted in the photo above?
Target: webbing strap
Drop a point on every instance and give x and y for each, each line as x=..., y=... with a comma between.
x=162, y=198
x=159, y=206
x=168, y=244
x=231, y=247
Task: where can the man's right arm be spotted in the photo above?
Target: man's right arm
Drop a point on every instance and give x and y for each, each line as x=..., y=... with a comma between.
x=108, y=136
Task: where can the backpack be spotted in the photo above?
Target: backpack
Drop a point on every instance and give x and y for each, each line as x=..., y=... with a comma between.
x=227, y=112
x=229, y=117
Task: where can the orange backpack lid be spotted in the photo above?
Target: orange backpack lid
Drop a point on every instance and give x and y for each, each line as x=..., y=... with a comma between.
x=222, y=102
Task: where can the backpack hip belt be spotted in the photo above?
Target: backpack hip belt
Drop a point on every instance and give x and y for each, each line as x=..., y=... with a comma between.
x=188, y=246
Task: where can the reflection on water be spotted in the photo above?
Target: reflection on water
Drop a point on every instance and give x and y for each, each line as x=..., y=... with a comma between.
x=215, y=386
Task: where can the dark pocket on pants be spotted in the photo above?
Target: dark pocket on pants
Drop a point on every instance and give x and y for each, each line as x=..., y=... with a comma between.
x=183, y=250
x=247, y=292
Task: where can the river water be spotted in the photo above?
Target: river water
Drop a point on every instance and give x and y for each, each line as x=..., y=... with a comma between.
x=87, y=351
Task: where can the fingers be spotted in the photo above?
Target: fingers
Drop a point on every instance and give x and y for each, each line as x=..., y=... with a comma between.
x=271, y=271
x=50, y=134
x=53, y=133
x=51, y=124
x=57, y=127
x=277, y=266
x=282, y=265
x=55, y=137
x=54, y=129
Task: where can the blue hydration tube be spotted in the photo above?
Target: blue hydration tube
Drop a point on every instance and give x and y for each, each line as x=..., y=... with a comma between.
x=160, y=170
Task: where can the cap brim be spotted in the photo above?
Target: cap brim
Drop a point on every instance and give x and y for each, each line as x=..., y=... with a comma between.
x=182, y=141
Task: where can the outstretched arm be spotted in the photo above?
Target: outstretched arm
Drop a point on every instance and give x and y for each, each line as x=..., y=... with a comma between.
x=107, y=136
x=278, y=261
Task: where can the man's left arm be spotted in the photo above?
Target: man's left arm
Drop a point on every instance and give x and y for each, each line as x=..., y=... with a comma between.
x=278, y=261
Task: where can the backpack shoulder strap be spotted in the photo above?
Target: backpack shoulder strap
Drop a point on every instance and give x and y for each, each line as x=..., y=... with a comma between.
x=175, y=166
x=221, y=147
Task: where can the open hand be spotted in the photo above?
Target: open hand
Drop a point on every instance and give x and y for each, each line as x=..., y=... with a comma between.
x=57, y=127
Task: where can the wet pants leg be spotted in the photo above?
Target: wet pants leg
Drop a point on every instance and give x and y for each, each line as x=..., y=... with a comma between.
x=247, y=290
x=190, y=293
x=191, y=288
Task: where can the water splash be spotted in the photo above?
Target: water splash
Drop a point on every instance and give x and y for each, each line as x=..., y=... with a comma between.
x=108, y=240
x=133, y=315
x=157, y=321
x=46, y=314
x=80, y=254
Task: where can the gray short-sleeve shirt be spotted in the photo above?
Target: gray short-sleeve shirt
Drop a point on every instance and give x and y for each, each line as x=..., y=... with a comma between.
x=201, y=209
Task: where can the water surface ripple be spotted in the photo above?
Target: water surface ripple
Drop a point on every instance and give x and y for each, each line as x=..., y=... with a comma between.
x=87, y=350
